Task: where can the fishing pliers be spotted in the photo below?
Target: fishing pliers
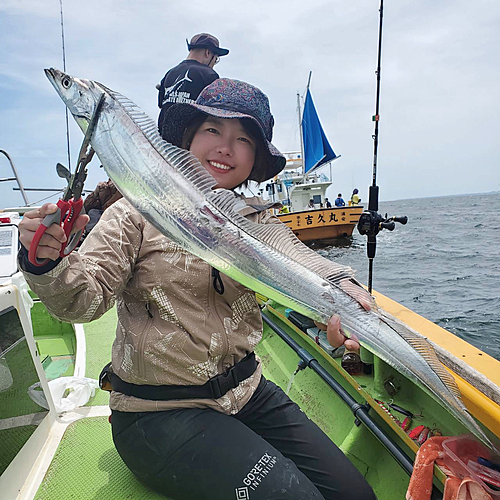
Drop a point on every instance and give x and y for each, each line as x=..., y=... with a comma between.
x=71, y=205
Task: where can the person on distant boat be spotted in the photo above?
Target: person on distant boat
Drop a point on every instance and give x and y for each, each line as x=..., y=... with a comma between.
x=184, y=82
x=192, y=415
x=355, y=199
x=339, y=201
x=311, y=204
x=328, y=204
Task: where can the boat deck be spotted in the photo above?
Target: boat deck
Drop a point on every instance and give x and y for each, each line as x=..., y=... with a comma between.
x=86, y=464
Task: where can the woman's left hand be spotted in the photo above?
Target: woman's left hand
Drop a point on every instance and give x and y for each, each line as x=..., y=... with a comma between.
x=334, y=332
x=335, y=336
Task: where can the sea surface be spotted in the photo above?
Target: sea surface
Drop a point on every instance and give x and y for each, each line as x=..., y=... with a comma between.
x=444, y=264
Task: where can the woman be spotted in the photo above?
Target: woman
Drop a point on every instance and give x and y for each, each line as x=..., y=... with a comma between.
x=355, y=199
x=180, y=422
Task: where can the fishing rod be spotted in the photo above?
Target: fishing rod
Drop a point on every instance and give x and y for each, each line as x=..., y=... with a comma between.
x=64, y=69
x=371, y=222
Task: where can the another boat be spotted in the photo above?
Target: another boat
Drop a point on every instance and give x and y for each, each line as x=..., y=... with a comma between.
x=301, y=183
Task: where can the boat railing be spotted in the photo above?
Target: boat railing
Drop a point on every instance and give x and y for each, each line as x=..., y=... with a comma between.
x=15, y=178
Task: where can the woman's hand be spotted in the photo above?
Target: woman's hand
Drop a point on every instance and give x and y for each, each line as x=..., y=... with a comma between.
x=336, y=336
x=334, y=332
x=51, y=242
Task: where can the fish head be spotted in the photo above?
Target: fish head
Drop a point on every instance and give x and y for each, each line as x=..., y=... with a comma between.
x=80, y=96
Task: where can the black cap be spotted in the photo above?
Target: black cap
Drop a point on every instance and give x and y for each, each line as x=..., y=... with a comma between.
x=206, y=41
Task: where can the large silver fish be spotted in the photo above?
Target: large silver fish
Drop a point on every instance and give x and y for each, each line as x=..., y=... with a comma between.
x=175, y=193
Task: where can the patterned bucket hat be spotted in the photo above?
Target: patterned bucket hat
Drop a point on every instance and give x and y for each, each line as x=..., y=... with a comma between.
x=226, y=98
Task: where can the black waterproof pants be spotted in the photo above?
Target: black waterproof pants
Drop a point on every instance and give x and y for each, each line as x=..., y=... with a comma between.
x=268, y=451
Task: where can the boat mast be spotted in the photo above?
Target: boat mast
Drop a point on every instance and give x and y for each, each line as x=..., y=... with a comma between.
x=300, y=133
x=370, y=221
x=300, y=125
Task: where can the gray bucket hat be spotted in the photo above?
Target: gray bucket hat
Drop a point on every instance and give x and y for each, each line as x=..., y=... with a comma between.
x=227, y=98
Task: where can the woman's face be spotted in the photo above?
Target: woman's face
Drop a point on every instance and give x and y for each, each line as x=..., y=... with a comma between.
x=225, y=150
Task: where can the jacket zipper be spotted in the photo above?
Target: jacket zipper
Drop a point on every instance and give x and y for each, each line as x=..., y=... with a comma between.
x=225, y=350
x=212, y=305
x=142, y=341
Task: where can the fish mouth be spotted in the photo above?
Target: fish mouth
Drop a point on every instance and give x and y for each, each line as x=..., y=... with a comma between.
x=50, y=73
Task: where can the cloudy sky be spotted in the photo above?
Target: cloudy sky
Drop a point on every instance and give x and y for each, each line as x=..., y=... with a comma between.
x=439, y=97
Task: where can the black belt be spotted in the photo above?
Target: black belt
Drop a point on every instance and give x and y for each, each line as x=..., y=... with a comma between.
x=215, y=388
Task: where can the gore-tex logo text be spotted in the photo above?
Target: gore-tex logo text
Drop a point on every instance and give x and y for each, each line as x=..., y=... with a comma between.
x=259, y=471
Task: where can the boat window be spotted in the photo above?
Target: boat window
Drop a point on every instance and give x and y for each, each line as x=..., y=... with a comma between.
x=8, y=249
x=19, y=413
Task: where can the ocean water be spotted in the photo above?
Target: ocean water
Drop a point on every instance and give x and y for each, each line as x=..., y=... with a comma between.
x=444, y=264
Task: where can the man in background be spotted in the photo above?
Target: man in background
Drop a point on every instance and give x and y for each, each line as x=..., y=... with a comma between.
x=184, y=82
x=181, y=84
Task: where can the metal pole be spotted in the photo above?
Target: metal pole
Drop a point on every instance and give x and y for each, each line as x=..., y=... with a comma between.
x=19, y=183
x=300, y=134
x=64, y=69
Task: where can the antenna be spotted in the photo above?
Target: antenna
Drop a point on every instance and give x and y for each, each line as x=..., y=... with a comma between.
x=64, y=69
x=371, y=222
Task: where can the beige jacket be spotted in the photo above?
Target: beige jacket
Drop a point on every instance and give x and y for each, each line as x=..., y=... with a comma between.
x=173, y=327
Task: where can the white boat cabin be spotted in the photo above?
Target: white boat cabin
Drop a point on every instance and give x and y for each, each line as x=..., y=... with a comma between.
x=294, y=189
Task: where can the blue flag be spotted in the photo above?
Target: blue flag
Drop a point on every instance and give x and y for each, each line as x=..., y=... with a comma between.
x=317, y=149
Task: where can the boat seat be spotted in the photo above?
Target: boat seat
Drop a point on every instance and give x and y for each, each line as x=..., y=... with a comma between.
x=87, y=466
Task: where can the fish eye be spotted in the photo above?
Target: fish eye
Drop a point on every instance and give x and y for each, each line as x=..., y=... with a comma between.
x=66, y=82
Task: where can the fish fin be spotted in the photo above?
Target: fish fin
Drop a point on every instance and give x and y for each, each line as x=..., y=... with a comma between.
x=182, y=160
x=352, y=287
x=282, y=239
x=424, y=348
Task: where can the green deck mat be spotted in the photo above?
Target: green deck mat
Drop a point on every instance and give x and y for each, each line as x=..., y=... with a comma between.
x=19, y=369
x=87, y=466
x=12, y=440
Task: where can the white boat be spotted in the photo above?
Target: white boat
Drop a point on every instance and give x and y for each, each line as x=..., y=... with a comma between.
x=301, y=185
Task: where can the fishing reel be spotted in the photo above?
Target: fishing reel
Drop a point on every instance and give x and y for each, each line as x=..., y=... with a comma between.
x=371, y=222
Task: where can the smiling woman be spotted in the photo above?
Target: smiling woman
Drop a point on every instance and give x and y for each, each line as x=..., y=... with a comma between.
x=226, y=149
x=184, y=375
x=226, y=103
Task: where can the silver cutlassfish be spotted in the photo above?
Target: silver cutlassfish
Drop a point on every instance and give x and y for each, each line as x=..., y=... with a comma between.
x=171, y=189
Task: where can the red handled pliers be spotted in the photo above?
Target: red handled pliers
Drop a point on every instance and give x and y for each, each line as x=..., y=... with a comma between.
x=71, y=205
